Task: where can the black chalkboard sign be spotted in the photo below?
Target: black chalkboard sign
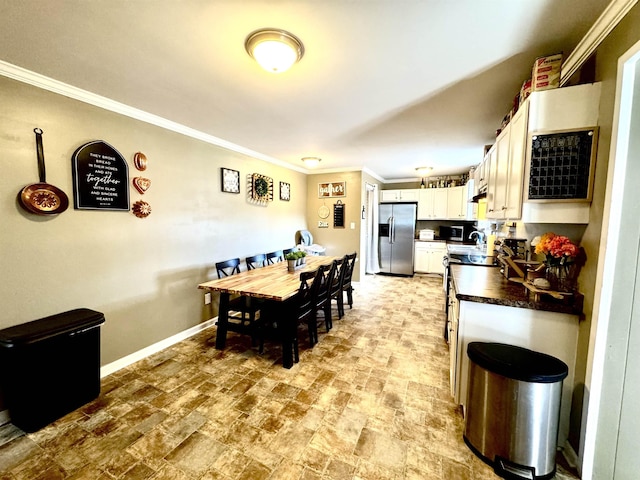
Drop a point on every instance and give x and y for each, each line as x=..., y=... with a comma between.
x=562, y=165
x=338, y=215
x=100, y=178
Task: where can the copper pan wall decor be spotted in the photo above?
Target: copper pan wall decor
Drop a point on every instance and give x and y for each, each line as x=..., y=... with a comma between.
x=141, y=184
x=141, y=209
x=42, y=198
x=140, y=161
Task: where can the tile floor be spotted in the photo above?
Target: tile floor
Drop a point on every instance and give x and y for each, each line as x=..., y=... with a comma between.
x=369, y=401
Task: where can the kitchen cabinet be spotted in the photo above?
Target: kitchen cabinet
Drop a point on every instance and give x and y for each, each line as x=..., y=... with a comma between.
x=428, y=257
x=457, y=203
x=405, y=195
x=432, y=203
x=560, y=109
x=506, y=320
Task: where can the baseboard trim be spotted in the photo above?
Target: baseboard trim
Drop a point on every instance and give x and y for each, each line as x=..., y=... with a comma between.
x=123, y=362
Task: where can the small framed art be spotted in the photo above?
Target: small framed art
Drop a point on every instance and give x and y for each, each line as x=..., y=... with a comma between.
x=230, y=180
x=285, y=191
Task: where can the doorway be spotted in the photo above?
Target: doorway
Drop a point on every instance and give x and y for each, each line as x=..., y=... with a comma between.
x=611, y=424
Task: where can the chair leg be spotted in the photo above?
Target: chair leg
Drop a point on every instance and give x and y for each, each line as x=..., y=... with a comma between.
x=350, y=296
x=327, y=316
x=340, y=300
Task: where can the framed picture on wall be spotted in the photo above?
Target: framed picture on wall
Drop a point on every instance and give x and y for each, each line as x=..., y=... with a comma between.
x=285, y=191
x=334, y=189
x=230, y=180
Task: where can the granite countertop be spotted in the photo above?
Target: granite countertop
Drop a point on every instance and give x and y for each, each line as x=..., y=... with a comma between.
x=488, y=285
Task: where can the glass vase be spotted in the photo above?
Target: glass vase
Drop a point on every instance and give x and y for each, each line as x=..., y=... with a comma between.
x=560, y=278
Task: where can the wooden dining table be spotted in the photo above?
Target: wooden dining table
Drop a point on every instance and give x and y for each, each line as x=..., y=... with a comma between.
x=274, y=283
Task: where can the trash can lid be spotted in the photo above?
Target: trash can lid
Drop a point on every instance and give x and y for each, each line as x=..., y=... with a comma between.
x=517, y=363
x=61, y=323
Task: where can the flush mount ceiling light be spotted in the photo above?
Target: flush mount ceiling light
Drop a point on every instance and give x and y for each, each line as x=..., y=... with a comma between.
x=275, y=50
x=423, y=170
x=311, y=162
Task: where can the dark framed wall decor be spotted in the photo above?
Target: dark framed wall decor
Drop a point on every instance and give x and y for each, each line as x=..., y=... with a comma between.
x=285, y=191
x=230, y=180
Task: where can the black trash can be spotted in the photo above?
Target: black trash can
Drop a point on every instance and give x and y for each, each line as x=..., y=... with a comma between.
x=513, y=409
x=50, y=367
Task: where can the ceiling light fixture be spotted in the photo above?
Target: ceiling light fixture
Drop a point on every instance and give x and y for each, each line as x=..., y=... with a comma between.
x=422, y=171
x=311, y=162
x=275, y=50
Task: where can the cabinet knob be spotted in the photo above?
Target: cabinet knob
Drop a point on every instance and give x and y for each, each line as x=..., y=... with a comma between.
x=504, y=208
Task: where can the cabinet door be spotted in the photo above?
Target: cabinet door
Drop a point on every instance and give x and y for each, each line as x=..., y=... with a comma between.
x=457, y=203
x=517, y=144
x=435, y=260
x=388, y=195
x=497, y=191
x=409, y=195
x=421, y=259
x=440, y=202
x=491, y=181
x=425, y=204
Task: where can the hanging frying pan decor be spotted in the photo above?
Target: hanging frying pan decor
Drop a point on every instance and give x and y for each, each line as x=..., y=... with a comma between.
x=42, y=198
x=100, y=178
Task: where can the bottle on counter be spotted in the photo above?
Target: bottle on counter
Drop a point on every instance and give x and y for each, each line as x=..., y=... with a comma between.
x=491, y=241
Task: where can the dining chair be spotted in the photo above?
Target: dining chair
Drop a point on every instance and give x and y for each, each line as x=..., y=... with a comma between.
x=335, y=289
x=322, y=303
x=305, y=313
x=275, y=257
x=243, y=310
x=256, y=261
x=348, y=274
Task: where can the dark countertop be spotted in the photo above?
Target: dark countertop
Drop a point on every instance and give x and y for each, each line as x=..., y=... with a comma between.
x=488, y=285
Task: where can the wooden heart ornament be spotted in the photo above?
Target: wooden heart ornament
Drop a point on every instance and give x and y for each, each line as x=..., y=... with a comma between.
x=142, y=184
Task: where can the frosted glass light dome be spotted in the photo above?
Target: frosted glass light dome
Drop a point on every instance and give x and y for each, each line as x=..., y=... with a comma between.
x=274, y=50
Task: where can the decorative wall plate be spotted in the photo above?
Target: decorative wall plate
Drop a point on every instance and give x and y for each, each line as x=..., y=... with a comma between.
x=141, y=209
x=261, y=187
x=140, y=161
x=142, y=184
x=230, y=180
x=285, y=191
x=323, y=211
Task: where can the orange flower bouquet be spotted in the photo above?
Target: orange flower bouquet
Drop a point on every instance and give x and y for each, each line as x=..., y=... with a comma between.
x=560, y=253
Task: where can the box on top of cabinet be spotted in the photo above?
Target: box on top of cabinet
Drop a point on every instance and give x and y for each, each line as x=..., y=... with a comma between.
x=546, y=72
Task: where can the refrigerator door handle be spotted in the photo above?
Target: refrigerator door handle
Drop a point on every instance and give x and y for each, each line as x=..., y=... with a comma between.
x=392, y=233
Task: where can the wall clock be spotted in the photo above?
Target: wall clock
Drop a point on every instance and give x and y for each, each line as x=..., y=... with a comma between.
x=285, y=191
x=230, y=180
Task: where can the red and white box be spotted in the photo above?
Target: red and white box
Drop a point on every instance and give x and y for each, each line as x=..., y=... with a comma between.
x=546, y=72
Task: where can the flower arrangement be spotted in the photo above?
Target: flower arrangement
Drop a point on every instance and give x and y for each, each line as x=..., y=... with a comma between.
x=295, y=259
x=557, y=249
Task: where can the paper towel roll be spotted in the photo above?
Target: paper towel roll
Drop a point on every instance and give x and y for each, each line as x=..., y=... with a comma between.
x=491, y=244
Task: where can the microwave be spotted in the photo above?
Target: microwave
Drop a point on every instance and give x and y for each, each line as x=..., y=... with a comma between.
x=454, y=232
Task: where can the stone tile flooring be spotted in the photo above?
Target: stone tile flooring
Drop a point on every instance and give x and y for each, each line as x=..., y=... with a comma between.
x=369, y=401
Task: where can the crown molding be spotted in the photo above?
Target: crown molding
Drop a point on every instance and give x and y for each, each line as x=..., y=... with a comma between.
x=612, y=15
x=46, y=83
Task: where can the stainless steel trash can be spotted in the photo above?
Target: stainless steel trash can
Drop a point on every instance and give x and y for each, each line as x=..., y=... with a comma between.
x=51, y=366
x=513, y=409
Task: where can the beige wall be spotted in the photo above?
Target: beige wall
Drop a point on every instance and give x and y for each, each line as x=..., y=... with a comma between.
x=337, y=241
x=141, y=273
x=619, y=41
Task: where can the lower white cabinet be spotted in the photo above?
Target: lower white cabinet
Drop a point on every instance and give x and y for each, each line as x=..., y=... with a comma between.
x=552, y=333
x=428, y=257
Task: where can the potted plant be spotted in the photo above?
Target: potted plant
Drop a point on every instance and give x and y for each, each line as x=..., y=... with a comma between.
x=291, y=259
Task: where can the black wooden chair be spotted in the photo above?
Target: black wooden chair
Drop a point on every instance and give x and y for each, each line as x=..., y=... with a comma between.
x=243, y=311
x=325, y=274
x=275, y=257
x=335, y=289
x=256, y=261
x=348, y=274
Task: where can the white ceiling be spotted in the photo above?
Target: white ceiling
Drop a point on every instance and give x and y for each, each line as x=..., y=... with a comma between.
x=387, y=85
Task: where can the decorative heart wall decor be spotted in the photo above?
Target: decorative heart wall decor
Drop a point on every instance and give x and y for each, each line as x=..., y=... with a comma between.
x=142, y=184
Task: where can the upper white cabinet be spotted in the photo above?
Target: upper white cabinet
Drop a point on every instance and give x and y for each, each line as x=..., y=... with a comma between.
x=406, y=195
x=433, y=203
x=457, y=203
x=508, y=161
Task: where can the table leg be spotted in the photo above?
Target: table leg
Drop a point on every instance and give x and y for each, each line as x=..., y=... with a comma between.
x=223, y=319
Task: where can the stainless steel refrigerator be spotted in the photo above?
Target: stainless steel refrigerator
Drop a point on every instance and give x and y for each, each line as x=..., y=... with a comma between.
x=396, y=232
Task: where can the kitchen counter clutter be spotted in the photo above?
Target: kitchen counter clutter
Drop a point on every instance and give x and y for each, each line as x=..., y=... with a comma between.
x=484, y=306
x=487, y=285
